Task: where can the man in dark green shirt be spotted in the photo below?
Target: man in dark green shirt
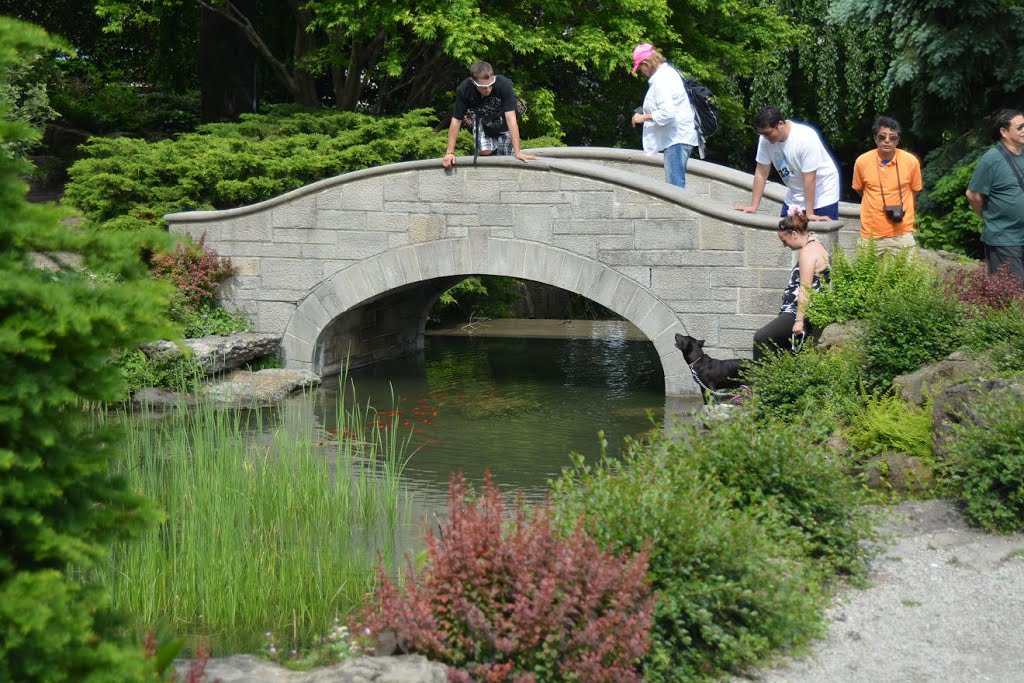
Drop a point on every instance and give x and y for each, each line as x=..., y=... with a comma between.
x=996, y=193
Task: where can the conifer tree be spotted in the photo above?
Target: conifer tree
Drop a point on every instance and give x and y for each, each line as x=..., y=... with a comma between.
x=68, y=298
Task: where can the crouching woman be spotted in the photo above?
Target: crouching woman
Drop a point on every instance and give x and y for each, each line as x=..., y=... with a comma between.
x=810, y=272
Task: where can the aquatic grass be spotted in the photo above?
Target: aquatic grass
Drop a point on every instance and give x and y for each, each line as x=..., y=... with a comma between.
x=268, y=526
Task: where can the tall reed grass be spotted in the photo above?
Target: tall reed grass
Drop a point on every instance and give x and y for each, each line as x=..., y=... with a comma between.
x=269, y=525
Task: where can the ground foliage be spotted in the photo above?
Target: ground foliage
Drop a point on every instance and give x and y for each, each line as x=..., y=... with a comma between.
x=914, y=324
x=505, y=597
x=819, y=384
x=859, y=281
x=744, y=524
x=888, y=423
x=60, y=504
x=984, y=469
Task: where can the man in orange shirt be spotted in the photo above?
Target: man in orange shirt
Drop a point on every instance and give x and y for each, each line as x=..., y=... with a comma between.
x=889, y=180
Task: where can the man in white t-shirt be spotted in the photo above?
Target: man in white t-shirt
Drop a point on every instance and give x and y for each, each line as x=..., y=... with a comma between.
x=667, y=115
x=799, y=156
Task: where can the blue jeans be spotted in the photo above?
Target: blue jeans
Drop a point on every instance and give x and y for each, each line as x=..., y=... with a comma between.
x=832, y=210
x=676, y=157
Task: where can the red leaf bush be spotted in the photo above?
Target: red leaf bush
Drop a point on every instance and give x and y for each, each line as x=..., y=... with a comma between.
x=194, y=270
x=980, y=290
x=509, y=599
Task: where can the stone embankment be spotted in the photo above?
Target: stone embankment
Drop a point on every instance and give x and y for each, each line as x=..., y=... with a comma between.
x=220, y=358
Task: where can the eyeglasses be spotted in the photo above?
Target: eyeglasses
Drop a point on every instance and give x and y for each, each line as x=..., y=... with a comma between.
x=484, y=86
x=883, y=137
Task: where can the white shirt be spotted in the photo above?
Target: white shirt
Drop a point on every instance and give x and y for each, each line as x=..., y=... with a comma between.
x=672, y=116
x=802, y=152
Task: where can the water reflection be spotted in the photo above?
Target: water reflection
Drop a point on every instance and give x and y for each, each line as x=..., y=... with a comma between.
x=514, y=406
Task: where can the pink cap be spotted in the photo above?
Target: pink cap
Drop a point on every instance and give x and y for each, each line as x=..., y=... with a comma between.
x=640, y=53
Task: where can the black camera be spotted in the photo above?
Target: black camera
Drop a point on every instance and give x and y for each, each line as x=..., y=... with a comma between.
x=894, y=212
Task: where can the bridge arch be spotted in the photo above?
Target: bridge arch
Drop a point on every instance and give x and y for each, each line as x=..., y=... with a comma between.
x=381, y=242
x=481, y=254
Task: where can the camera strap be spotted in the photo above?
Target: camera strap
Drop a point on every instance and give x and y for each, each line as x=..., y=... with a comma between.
x=899, y=183
x=1016, y=169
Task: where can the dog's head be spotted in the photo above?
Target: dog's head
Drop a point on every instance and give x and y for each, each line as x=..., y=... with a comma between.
x=691, y=347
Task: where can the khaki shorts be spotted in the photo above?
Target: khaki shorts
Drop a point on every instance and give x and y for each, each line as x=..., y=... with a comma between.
x=893, y=245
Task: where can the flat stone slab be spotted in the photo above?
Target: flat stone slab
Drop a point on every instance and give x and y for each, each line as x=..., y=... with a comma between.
x=243, y=388
x=250, y=669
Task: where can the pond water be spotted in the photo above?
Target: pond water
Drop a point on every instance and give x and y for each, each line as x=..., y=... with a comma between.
x=517, y=405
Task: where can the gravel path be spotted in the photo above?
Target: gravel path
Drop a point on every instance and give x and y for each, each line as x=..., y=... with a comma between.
x=945, y=603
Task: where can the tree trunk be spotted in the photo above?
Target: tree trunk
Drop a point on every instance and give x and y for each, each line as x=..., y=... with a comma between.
x=227, y=65
x=305, y=42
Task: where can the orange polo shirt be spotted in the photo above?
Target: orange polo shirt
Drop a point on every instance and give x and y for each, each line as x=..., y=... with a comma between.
x=872, y=178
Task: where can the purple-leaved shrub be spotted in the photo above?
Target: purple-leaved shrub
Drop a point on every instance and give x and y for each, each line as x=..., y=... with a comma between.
x=194, y=270
x=507, y=598
x=980, y=290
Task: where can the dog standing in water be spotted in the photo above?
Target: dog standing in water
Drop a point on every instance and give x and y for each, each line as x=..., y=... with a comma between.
x=712, y=376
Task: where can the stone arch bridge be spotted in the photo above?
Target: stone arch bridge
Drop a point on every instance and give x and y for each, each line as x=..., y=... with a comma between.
x=350, y=266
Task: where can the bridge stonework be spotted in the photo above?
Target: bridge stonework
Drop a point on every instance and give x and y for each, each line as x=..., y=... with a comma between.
x=347, y=269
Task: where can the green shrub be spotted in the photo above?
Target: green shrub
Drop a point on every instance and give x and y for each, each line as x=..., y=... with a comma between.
x=811, y=383
x=177, y=373
x=784, y=473
x=945, y=219
x=888, y=423
x=984, y=468
x=207, y=319
x=733, y=581
x=127, y=183
x=914, y=323
x=61, y=506
x=488, y=296
x=859, y=284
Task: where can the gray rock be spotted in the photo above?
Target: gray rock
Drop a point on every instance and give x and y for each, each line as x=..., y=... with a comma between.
x=266, y=387
x=958, y=405
x=250, y=669
x=841, y=335
x=899, y=472
x=216, y=353
x=930, y=380
x=948, y=263
x=160, y=399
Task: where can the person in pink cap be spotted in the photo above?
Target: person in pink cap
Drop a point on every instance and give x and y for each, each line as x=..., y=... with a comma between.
x=667, y=115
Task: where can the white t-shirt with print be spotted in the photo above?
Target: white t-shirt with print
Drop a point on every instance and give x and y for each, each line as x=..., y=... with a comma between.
x=802, y=152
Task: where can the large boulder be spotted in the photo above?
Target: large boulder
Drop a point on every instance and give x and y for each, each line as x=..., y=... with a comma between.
x=244, y=389
x=842, y=335
x=216, y=353
x=958, y=405
x=930, y=380
x=250, y=669
x=898, y=472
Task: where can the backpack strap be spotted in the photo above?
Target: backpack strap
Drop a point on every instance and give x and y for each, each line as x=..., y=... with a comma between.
x=1013, y=164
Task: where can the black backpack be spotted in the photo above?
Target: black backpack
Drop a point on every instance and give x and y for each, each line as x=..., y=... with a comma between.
x=705, y=109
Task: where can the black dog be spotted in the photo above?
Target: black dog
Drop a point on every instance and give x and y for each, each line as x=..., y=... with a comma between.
x=714, y=377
